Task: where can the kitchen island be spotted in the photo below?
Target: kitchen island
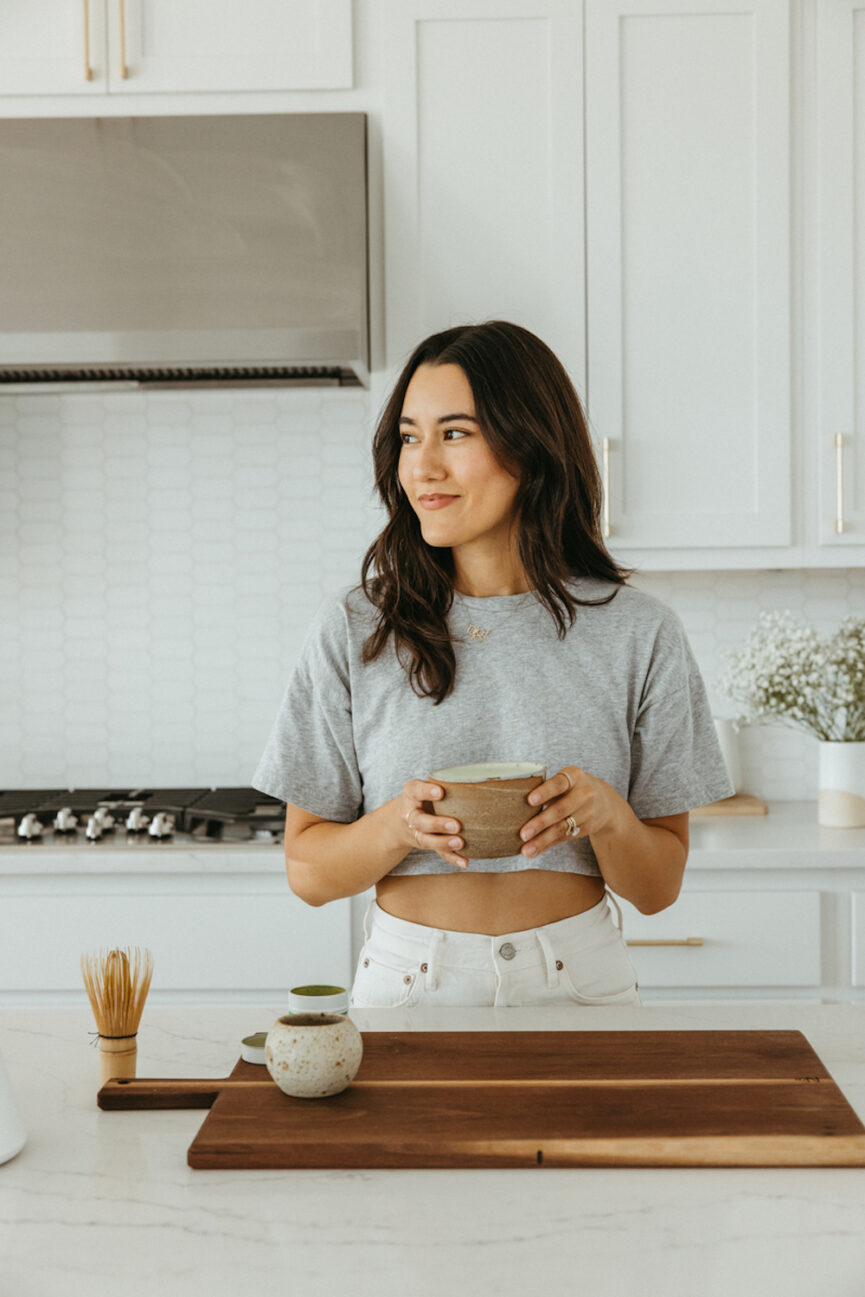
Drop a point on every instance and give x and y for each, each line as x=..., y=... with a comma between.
x=102, y=1203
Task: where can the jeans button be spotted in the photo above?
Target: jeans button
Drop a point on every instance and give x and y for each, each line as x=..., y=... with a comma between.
x=424, y=967
x=559, y=965
x=507, y=950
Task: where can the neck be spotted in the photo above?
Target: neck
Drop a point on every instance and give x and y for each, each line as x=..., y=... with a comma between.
x=485, y=579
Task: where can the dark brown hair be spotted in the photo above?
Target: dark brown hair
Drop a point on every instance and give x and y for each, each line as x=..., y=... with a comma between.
x=534, y=424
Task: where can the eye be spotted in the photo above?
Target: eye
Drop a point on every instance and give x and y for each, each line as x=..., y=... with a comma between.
x=407, y=438
x=456, y=432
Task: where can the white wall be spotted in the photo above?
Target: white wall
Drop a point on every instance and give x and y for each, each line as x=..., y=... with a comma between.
x=161, y=555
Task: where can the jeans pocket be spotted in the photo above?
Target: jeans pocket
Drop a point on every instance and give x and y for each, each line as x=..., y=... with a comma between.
x=601, y=975
x=384, y=980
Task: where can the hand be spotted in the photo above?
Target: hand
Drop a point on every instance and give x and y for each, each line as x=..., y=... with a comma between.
x=425, y=830
x=594, y=805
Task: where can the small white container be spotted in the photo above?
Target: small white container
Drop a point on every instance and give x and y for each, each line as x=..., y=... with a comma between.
x=318, y=999
x=252, y=1048
x=12, y=1133
x=841, y=792
x=313, y=1055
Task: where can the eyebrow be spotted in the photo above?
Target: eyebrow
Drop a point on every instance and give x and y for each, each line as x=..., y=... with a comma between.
x=446, y=418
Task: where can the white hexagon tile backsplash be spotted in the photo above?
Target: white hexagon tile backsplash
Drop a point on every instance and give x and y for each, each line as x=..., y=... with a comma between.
x=162, y=553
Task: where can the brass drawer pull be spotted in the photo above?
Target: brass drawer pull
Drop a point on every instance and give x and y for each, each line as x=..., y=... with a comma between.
x=124, y=69
x=605, y=482
x=88, y=71
x=683, y=941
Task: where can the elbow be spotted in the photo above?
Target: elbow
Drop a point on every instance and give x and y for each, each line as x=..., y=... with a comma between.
x=661, y=899
x=301, y=883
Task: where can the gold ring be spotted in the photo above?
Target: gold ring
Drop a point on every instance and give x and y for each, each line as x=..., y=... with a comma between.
x=568, y=777
x=572, y=827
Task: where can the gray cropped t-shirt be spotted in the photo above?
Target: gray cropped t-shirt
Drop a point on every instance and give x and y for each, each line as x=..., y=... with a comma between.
x=620, y=696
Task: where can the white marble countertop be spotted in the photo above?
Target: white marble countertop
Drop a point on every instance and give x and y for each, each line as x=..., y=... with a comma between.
x=102, y=1203
x=788, y=837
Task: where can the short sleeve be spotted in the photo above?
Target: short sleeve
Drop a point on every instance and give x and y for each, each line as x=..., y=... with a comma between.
x=309, y=759
x=676, y=760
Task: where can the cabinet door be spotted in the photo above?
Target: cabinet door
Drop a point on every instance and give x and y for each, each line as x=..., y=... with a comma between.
x=726, y=939
x=53, y=47
x=189, y=45
x=688, y=250
x=841, y=271
x=483, y=170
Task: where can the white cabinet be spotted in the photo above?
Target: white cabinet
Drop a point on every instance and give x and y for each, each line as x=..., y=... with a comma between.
x=688, y=268
x=140, y=46
x=483, y=167
x=727, y=939
x=839, y=466
x=220, y=929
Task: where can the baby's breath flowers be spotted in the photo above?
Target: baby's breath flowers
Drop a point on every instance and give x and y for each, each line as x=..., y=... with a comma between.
x=787, y=672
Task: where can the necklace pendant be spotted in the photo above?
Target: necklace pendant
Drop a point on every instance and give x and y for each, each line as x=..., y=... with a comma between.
x=477, y=632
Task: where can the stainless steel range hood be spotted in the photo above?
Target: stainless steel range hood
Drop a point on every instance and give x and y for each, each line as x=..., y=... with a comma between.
x=183, y=251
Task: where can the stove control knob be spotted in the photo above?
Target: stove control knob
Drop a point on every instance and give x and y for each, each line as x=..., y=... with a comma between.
x=136, y=820
x=65, y=821
x=94, y=828
x=162, y=825
x=30, y=827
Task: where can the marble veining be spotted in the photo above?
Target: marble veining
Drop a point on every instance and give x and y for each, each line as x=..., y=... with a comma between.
x=103, y=1203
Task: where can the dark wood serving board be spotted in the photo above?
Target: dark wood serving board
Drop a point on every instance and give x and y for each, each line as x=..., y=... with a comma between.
x=530, y=1098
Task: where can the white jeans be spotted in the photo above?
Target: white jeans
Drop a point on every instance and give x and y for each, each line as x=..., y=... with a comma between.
x=580, y=960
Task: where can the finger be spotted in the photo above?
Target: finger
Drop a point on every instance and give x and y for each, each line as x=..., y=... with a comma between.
x=555, y=787
x=548, y=818
x=435, y=842
x=435, y=824
x=551, y=837
x=421, y=791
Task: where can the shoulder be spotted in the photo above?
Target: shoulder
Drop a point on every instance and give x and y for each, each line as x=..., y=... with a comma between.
x=340, y=626
x=643, y=612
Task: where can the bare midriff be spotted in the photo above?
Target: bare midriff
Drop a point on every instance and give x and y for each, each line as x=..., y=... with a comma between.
x=488, y=903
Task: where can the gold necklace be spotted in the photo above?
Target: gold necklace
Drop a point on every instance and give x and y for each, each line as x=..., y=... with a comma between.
x=480, y=633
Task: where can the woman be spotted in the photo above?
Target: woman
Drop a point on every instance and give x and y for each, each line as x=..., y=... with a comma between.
x=491, y=624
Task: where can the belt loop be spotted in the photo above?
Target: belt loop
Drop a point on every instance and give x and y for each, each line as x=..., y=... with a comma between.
x=611, y=897
x=549, y=958
x=366, y=922
x=431, y=960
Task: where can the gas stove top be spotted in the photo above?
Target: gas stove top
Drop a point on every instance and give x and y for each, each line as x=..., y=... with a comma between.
x=67, y=816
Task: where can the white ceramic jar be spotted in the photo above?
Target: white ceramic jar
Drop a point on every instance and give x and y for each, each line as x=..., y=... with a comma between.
x=313, y=1055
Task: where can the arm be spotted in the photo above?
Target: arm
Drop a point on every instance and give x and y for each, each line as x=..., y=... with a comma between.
x=641, y=860
x=325, y=860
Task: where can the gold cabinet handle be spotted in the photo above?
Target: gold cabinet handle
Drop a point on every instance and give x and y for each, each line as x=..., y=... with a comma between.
x=683, y=941
x=605, y=481
x=839, y=483
x=124, y=70
x=88, y=71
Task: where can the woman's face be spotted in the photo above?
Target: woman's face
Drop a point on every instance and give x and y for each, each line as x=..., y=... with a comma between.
x=460, y=492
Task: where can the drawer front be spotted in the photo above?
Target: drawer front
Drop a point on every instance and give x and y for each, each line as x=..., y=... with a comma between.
x=745, y=939
x=229, y=942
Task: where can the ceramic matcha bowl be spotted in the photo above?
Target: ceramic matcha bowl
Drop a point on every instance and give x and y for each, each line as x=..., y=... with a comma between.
x=490, y=800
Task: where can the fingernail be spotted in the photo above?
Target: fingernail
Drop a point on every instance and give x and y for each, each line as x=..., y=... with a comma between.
x=528, y=851
x=463, y=864
x=534, y=799
x=526, y=834
x=454, y=842
x=452, y=826
x=435, y=792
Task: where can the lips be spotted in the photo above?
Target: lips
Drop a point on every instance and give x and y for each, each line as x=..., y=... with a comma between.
x=436, y=501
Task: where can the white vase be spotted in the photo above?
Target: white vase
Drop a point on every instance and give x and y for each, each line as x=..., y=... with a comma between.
x=841, y=783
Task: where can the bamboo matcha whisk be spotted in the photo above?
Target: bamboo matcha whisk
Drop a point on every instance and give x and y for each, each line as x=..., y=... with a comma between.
x=117, y=982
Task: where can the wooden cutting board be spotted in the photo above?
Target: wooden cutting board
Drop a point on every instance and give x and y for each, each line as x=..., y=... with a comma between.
x=531, y=1098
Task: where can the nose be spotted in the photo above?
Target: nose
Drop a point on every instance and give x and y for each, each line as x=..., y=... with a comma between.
x=427, y=463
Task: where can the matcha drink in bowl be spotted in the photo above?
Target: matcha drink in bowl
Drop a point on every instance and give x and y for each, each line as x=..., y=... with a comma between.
x=490, y=800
